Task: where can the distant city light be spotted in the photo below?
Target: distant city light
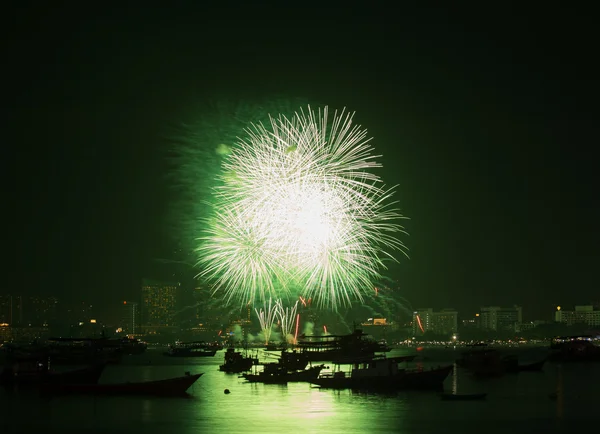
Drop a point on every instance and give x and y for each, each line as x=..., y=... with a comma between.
x=93, y=321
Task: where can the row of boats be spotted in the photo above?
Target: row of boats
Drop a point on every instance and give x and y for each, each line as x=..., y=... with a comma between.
x=356, y=365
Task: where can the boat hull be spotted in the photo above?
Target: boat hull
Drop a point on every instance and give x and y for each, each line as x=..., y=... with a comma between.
x=404, y=380
x=307, y=375
x=169, y=387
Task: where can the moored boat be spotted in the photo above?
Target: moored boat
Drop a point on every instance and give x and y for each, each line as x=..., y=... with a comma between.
x=574, y=349
x=191, y=349
x=236, y=362
x=332, y=347
x=170, y=387
x=293, y=360
x=274, y=373
x=381, y=373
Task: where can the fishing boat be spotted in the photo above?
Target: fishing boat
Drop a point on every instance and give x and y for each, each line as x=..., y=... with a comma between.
x=275, y=373
x=191, y=349
x=170, y=387
x=463, y=397
x=383, y=373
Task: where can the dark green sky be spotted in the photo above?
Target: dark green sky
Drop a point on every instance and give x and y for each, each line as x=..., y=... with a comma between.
x=484, y=117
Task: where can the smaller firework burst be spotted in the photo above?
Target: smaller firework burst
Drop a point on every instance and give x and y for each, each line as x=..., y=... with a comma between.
x=287, y=316
x=267, y=318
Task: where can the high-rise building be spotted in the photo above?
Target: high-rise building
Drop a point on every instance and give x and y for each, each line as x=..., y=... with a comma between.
x=158, y=305
x=444, y=322
x=130, y=317
x=11, y=309
x=581, y=315
x=501, y=318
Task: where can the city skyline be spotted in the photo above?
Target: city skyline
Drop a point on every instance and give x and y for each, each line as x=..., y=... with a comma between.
x=151, y=310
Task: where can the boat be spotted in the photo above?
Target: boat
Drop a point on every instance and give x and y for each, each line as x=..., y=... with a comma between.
x=177, y=386
x=34, y=372
x=275, y=373
x=293, y=360
x=574, y=349
x=191, y=349
x=236, y=362
x=463, y=397
x=384, y=373
x=332, y=347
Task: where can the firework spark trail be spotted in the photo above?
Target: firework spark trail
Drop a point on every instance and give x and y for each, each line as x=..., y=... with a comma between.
x=298, y=212
x=287, y=317
x=267, y=317
x=297, y=326
x=199, y=146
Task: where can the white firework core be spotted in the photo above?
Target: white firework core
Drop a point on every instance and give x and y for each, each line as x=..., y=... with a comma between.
x=300, y=212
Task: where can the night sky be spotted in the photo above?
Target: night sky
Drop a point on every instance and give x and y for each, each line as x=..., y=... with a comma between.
x=484, y=118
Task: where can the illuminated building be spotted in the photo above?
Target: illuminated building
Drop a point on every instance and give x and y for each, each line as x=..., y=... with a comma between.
x=11, y=309
x=377, y=327
x=158, y=305
x=581, y=315
x=444, y=322
x=501, y=318
x=130, y=317
x=5, y=331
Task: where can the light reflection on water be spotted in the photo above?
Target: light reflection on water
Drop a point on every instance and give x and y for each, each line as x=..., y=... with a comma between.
x=518, y=403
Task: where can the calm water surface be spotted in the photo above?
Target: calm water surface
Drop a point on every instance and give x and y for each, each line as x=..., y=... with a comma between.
x=515, y=404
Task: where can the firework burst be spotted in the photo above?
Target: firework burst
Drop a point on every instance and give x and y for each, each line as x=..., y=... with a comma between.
x=298, y=211
x=287, y=318
x=267, y=317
